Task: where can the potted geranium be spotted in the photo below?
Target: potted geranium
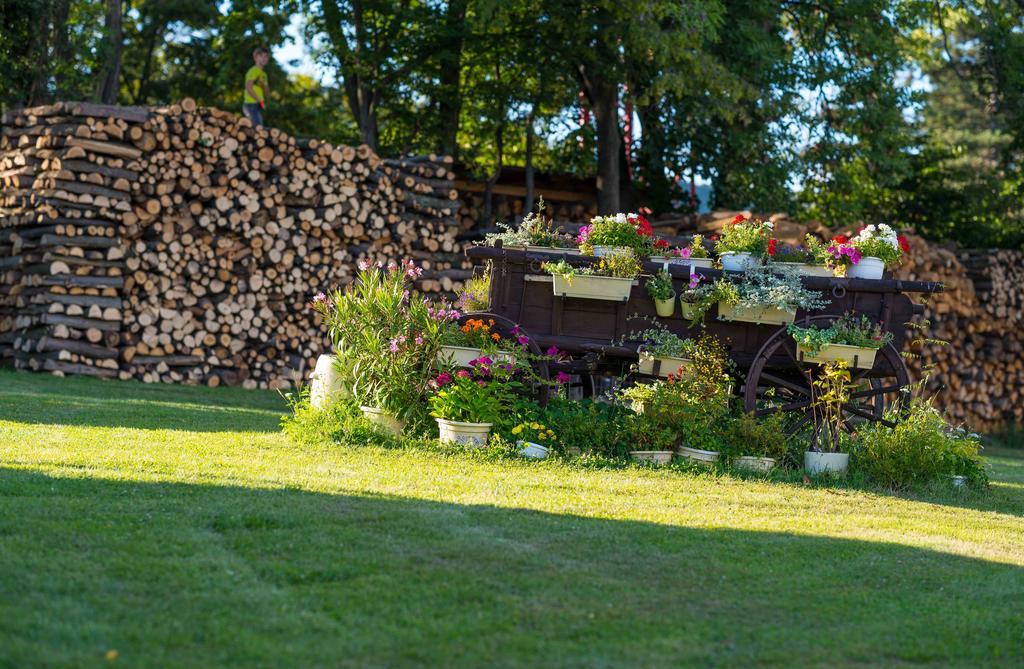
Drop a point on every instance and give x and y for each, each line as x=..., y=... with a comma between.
x=613, y=234
x=386, y=341
x=535, y=440
x=465, y=343
x=535, y=233
x=743, y=243
x=767, y=295
x=611, y=279
x=853, y=340
x=659, y=287
x=468, y=403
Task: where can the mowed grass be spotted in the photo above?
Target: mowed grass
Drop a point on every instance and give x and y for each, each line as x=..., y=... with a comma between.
x=151, y=526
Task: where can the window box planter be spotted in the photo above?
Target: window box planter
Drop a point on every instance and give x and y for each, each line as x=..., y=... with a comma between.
x=665, y=308
x=859, y=357
x=868, y=268
x=819, y=463
x=385, y=420
x=814, y=270
x=474, y=435
x=768, y=315
x=660, y=366
x=529, y=449
x=602, y=251
x=461, y=356
x=544, y=249
x=698, y=455
x=652, y=457
x=752, y=463
x=590, y=287
x=737, y=262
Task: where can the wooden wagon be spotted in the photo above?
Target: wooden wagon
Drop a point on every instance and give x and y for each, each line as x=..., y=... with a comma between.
x=772, y=374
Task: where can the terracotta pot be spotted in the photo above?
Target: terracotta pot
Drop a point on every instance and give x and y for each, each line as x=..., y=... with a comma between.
x=608, y=288
x=654, y=457
x=385, y=420
x=868, y=268
x=666, y=308
x=859, y=357
x=755, y=464
x=470, y=434
x=769, y=315
x=698, y=455
x=819, y=463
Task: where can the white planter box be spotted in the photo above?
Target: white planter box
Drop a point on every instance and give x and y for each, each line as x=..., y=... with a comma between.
x=543, y=249
x=737, y=262
x=666, y=365
x=654, y=457
x=528, y=449
x=867, y=268
x=769, y=315
x=819, y=463
x=814, y=270
x=858, y=357
x=698, y=455
x=470, y=434
x=665, y=308
x=385, y=420
x=753, y=463
x=461, y=356
x=593, y=287
x=602, y=251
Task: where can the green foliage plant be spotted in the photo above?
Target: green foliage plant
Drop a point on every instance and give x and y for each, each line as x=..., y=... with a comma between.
x=481, y=394
x=592, y=427
x=849, y=329
x=621, y=265
x=760, y=437
x=743, y=235
x=476, y=293
x=832, y=392
x=644, y=434
x=776, y=287
x=659, y=286
x=534, y=230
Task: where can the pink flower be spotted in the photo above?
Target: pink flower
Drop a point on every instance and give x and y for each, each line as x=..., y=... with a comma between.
x=363, y=265
x=584, y=233
x=553, y=352
x=419, y=340
x=694, y=280
x=443, y=379
x=394, y=346
x=481, y=383
x=320, y=299
x=482, y=360
x=462, y=374
x=685, y=253
x=562, y=378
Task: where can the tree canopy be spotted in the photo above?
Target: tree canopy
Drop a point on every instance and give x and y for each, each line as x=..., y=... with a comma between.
x=846, y=111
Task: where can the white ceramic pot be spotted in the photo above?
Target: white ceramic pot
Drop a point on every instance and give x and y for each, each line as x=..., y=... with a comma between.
x=528, y=449
x=769, y=315
x=384, y=420
x=819, y=463
x=593, y=287
x=698, y=455
x=868, y=268
x=755, y=464
x=653, y=457
x=470, y=434
x=859, y=357
x=602, y=251
x=737, y=262
x=461, y=356
x=325, y=384
x=813, y=270
x=665, y=364
x=666, y=308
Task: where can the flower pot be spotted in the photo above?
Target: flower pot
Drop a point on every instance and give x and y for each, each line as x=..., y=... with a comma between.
x=867, y=268
x=602, y=251
x=593, y=287
x=666, y=308
x=737, y=262
x=660, y=365
x=470, y=434
x=325, y=384
x=819, y=463
x=461, y=356
x=528, y=449
x=686, y=310
x=858, y=357
x=813, y=270
x=698, y=455
x=753, y=463
x=958, y=481
x=769, y=315
x=385, y=420
x=653, y=457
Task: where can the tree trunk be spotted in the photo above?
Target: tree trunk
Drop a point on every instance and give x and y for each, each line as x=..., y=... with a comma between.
x=656, y=187
x=61, y=56
x=605, y=101
x=449, y=91
x=110, y=75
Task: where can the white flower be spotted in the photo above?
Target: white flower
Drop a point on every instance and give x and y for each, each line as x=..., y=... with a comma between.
x=620, y=218
x=769, y=225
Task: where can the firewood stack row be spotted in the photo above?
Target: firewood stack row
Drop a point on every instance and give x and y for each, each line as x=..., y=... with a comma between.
x=181, y=244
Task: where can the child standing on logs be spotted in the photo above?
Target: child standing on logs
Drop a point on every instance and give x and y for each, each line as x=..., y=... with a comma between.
x=256, y=87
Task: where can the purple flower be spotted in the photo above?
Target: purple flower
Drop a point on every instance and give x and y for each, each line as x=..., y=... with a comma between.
x=481, y=383
x=523, y=339
x=394, y=346
x=694, y=280
x=443, y=379
x=482, y=360
x=419, y=340
x=562, y=378
x=553, y=352
x=405, y=296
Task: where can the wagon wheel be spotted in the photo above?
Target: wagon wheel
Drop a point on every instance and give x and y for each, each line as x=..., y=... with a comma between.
x=779, y=381
x=509, y=330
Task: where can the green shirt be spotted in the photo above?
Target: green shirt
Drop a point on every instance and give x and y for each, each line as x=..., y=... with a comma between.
x=259, y=79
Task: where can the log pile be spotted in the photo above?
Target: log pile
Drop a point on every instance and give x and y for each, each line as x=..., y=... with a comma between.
x=180, y=244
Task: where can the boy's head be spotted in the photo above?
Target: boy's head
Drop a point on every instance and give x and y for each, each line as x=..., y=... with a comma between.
x=261, y=56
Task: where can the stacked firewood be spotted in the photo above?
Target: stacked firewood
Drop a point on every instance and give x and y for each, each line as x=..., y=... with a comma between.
x=181, y=244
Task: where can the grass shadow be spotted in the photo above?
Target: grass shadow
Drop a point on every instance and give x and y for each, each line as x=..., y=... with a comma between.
x=187, y=575
x=31, y=398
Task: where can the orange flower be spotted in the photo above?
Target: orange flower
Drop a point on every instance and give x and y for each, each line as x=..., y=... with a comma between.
x=495, y=336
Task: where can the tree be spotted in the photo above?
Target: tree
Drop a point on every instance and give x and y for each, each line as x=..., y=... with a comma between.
x=113, y=43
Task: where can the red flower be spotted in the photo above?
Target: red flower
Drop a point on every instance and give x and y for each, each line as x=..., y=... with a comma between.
x=643, y=226
x=841, y=239
x=771, y=246
x=714, y=237
x=661, y=244
x=736, y=221
x=904, y=244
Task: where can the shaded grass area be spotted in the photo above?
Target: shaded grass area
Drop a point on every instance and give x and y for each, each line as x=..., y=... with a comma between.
x=223, y=545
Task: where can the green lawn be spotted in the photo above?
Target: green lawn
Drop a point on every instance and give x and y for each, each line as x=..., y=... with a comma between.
x=177, y=527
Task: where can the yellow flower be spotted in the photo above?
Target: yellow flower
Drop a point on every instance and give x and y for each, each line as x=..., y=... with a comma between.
x=541, y=436
x=537, y=426
x=517, y=429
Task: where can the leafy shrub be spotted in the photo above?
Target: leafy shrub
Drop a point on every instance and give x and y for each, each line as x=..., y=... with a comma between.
x=476, y=294
x=920, y=449
x=644, y=434
x=761, y=437
x=590, y=426
x=339, y=423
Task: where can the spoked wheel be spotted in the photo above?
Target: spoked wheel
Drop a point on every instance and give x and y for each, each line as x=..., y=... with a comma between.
x=779, y=381
x=509, y=330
